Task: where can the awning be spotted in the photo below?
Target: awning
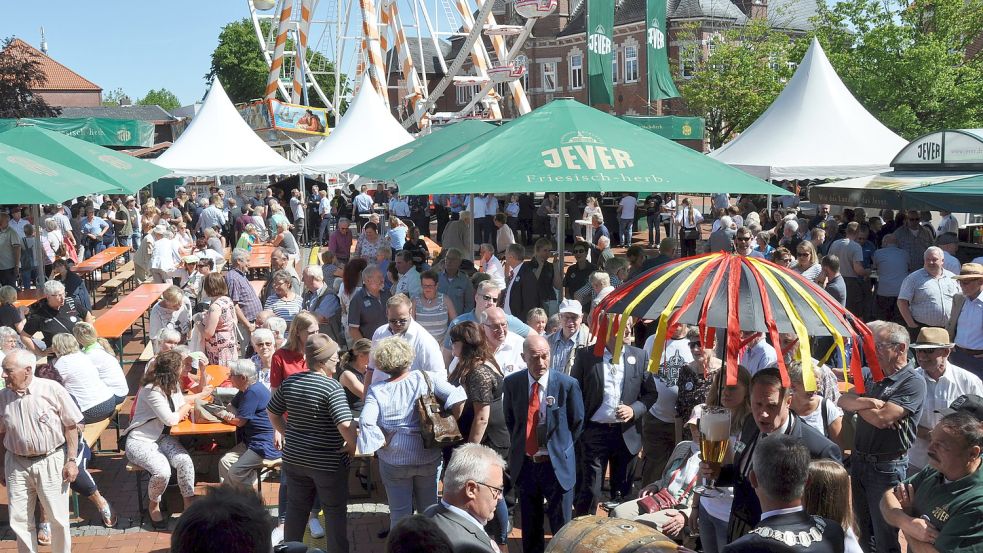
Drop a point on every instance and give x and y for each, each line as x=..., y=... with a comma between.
x=955, y=192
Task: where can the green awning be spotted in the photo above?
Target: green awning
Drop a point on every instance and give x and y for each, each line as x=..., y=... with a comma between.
x=119, y=171
x=566, y=146
x=956, y=192
x=26, y=178
x=410, y=156
x=957, y=196
x=97, y=130
x=669, y=126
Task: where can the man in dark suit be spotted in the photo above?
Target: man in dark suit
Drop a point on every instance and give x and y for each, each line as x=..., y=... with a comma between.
x=617, y=393
x=549, y=276
x=544, y=412
x=781, y=466
x=473, y=483
x=769, y=415
x=522, y=291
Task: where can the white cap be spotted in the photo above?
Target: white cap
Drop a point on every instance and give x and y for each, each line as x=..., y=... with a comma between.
x=571, y=306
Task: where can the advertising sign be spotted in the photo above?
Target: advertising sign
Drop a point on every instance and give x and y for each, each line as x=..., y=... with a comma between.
x=296, y=118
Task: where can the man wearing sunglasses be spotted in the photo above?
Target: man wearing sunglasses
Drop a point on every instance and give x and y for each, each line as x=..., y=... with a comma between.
x=425, y=348
x=914, y=238
x=487, y=296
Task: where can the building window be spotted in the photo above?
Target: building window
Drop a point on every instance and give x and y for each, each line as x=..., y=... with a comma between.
x=577, y=71
x=466, y=93
x=522, y=61
x=631, y=63
x=549, y=76
x=690, y=55
x=614, y=66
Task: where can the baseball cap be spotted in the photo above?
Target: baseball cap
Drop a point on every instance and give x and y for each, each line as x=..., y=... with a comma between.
x=571, y=306
x=971, y=403
x=168, y=200
x=131, y=199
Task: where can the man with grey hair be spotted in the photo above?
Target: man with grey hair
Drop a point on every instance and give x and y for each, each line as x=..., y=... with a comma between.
x=486, y=296
x=454, y=284
x=340, y=241
x=722, y=239
x=914, y=238
x=779, y=473
x=280, y=261
x=321, y=300
x=367, y=309
x=409, y=277
x=212, y=216
x=488, y=263
x=925, y=298
x=39, y=432
x=887, y=423
x=504, y=344
x=523, y=291
x=54, y=314
x=242, y=294
x=426, y=350
x=473, y=483
x=254, y=431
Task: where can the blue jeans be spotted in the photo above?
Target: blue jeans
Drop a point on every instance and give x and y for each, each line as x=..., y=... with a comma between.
x=135, y=240
x=713, y=532
x=652, y=221
x=408, y=487
x=627, y=227
x=868, y=482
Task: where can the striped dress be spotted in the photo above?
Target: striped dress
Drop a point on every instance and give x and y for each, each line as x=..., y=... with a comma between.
x=434, y=318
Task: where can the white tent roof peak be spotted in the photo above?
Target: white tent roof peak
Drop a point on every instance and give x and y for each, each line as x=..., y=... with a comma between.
x=219, y=142
x=815, y=129
x=366, y=130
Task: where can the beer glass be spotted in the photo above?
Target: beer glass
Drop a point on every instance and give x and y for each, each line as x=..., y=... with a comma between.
x=714, y=440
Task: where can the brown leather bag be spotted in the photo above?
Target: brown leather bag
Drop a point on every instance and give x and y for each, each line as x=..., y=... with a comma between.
x=438, y=428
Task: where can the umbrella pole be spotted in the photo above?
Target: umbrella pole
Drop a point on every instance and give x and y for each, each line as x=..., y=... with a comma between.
x=474, y=224
x=769, y=206
x=38, y=251
x=672, y=217
x=561, y=238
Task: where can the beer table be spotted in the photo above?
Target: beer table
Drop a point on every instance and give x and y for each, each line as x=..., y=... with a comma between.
x=216, y=374
x=87, y=267
x=27, y=298
x=112, y=324
x=259, y=256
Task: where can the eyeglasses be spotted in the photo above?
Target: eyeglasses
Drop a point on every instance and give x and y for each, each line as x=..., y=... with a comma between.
x=885, y=345
x=742, y=238
x=486, y=297
x=803, y=254
x=495, y=490
x=399, y=322
x=494, y=326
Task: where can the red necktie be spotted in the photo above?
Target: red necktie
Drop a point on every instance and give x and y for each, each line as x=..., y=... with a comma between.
x=532, y=419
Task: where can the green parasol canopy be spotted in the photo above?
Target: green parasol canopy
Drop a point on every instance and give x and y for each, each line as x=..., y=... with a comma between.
x=29, y=179
x=963, y=195
x=566, y=146
x=118, y=171
x=405, y=158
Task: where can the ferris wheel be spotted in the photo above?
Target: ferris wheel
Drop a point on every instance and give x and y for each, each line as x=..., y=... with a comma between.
x=369, y=41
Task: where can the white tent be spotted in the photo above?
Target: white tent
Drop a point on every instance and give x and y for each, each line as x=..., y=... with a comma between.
x=366, y=130
x=219, y=142
x=815, y=129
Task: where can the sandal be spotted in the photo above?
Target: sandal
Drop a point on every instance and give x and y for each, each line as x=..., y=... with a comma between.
x=158, y=524
x=44, y=533
x=109, y=518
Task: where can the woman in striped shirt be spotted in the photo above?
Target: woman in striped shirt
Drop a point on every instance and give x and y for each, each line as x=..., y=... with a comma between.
x=284, y=302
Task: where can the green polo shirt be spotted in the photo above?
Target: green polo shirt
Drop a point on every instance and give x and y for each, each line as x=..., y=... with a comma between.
x=954, y=508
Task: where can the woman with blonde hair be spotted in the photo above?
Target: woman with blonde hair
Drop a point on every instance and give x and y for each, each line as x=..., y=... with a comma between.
x=289, y=359
x=806, y=261
x=590, y=209
x=828, y=495
x=81, y=378
x=100, y=353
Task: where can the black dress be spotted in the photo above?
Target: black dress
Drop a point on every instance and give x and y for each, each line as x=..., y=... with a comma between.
x=355, y=403
x=485, y=385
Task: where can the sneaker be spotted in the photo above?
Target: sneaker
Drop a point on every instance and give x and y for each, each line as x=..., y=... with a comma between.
x=317, y=531
x=277, y=535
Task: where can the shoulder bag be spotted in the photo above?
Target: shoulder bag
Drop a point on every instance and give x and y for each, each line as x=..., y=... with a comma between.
x=438, y=428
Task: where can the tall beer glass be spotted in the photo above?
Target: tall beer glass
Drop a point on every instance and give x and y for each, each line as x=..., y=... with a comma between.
x=714, y=440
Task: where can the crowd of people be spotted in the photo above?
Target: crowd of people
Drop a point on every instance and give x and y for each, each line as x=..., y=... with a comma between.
x=328, y=362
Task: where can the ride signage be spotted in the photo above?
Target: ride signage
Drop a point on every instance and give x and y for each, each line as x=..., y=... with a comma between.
x=600, y=42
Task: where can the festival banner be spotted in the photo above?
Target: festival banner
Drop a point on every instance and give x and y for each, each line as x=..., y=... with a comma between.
x=600, y=47
x=661, y=85
x=97, y=130
x=296, y=118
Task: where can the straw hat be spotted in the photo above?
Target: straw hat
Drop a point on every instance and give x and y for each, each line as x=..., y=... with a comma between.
x=970, y=270
x=932, y=337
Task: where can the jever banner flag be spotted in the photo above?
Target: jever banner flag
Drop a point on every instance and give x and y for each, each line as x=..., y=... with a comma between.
x=600, y=47
x=657, y=60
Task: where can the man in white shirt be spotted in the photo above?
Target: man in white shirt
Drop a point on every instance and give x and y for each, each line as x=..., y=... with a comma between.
x=506, y=345
x=720, y=201
x=298, y=210
x=490, y=264
x=626, y=217
x=212, y=216
x=944, y=382
x=966, y=319
x=659, y=422
x=166, y=255
x=758, y=353
x=409, y=278
x=948, y=242
x=426, y=351
x=947, y=224
x=17, y=222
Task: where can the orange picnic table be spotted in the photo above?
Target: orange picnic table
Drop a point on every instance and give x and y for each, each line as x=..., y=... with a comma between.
x=121, y=317
x=27, y=298
x=259, y=256
x=216, y=374
x=100, y=259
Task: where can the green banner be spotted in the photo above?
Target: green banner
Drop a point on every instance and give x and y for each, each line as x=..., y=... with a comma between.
x=657, y=58
x=600, y=48
x=670, y=126
x=98, y=130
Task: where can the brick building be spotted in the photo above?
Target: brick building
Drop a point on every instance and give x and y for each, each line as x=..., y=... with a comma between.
x=64, y=87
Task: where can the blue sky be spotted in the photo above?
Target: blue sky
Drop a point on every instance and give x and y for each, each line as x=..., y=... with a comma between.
x=136, y=45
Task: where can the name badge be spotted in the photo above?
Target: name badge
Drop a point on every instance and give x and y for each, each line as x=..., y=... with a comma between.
x=367, y=303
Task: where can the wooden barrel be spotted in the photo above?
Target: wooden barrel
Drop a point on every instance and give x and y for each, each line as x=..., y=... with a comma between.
x=593, y=534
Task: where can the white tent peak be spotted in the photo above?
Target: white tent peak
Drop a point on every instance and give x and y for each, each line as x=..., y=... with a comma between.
x=815, y=129
x=366, y=130
x=219, y=142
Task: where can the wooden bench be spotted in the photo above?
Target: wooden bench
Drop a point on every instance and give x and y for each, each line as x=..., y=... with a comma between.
x=112, y=286
x=268, y=466
x=148, y=353
x=93, y=432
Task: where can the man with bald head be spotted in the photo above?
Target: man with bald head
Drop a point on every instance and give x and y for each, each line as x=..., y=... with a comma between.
x=504, y=344
x=544, y=411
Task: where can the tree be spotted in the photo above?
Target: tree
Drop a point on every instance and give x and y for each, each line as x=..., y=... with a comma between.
x=116, y=98
x=238, y=62
x=20, y=75
x=907, y=62
x=735, y=75
x=163, y=98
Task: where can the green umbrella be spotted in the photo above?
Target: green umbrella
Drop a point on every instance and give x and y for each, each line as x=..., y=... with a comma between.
x=29, y=179
x=120, y=172
x=405, y=158
x=959, y=196
x=566, y=146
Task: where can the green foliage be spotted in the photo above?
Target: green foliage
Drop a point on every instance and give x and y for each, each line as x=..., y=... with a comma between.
x=238, y=62
x=20, y=73
x=163, y=98
x=735, y=74
x=115, y=98
x=906, y=62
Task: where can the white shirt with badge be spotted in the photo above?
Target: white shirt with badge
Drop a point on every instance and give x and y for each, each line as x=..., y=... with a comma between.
x=614, y=378
x=939, y=394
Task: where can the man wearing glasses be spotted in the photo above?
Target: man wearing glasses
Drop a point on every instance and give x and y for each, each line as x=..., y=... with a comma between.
x=744, y=245
x=504, y=344
x=578, y=274
x=887, y=420
x=473, y=483
x=486, y=297
x=914, y=238
x=425, y=348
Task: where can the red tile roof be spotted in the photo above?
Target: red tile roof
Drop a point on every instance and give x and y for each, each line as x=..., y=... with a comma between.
x=59, y=76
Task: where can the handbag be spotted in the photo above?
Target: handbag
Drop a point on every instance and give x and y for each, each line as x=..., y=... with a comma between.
x=437, y=427
x=691, y=233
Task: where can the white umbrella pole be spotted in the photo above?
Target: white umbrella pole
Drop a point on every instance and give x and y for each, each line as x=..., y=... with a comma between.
x=474, y=224
x=673, y=232
x=769, y=206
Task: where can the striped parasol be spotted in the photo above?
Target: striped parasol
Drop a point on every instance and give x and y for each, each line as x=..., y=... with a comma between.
x=734, y=293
